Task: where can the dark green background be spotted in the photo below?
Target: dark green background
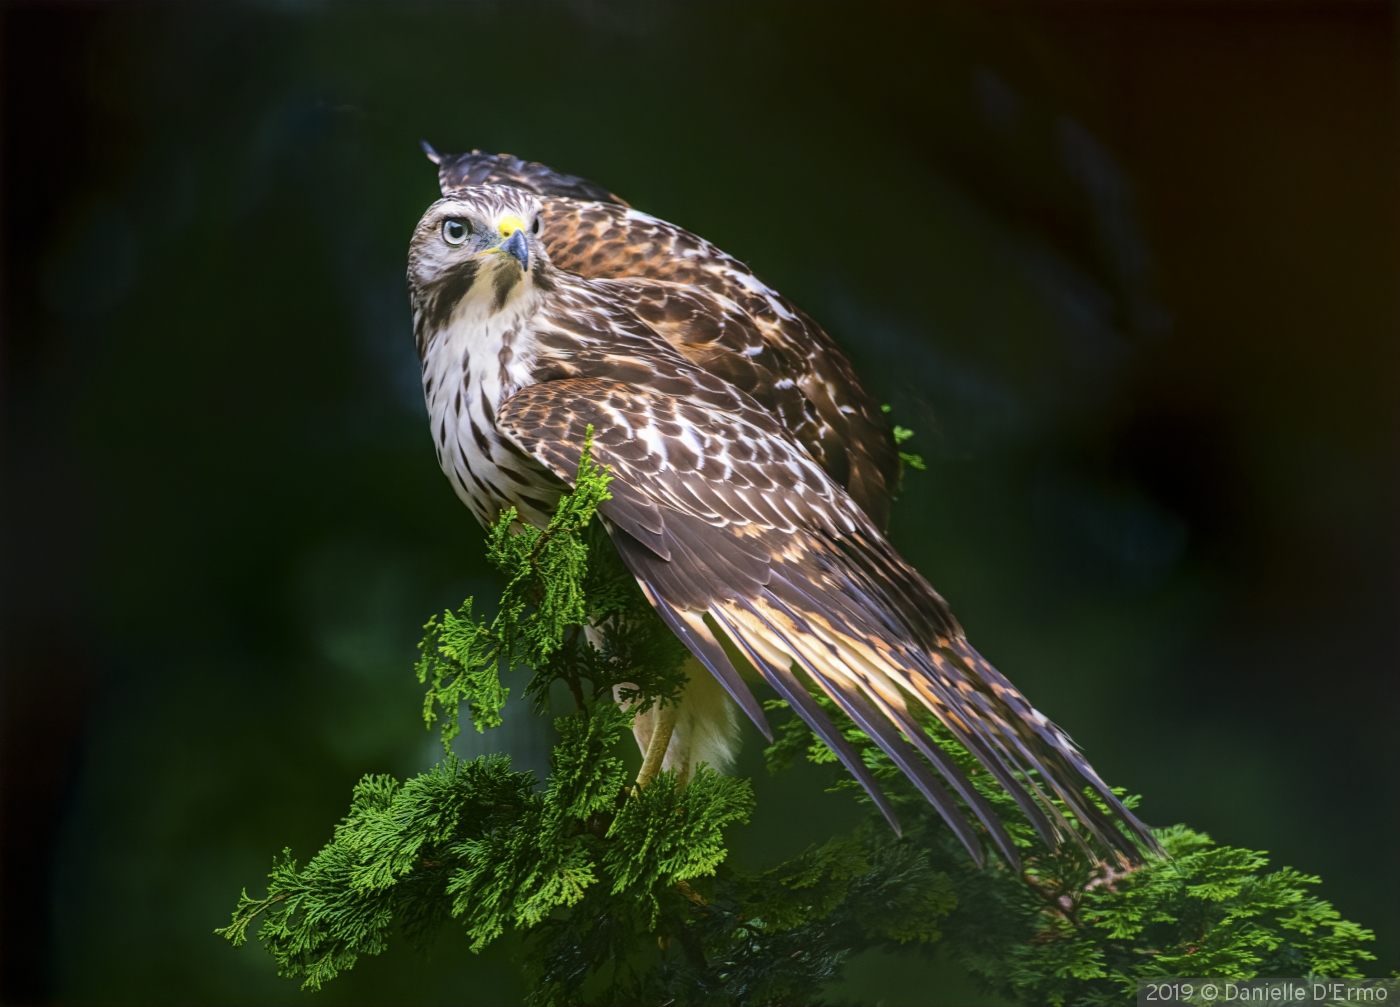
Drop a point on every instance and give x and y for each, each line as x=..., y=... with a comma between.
x=1129, y=270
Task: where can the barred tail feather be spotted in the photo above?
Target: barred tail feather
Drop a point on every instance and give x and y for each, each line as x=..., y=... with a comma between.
x=871, y=688
x=746, y=622
x=794, y=693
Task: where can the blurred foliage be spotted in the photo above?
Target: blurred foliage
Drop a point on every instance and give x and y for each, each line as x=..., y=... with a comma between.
x=622, y=888
x=906, y=458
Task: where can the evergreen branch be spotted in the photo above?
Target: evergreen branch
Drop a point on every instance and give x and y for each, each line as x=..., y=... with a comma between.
x=236, y=933
x=906, y=458
x=624, y=893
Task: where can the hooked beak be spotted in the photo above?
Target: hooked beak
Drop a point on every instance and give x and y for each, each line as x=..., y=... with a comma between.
x=515, y=245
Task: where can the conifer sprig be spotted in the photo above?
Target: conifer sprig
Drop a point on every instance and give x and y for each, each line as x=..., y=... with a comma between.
x=462, y=656
x=906, y=458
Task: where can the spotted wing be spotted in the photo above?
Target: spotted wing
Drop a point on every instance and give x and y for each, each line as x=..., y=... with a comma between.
x=661, y=269
x=809, y=394
x=729, y=525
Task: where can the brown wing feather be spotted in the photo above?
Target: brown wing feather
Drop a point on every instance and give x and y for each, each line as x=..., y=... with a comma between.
x=716, y=334
x=654, y=261
x=721, y=514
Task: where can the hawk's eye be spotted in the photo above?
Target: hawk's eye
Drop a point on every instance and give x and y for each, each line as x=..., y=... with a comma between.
x=455, y=231
x=535, y=227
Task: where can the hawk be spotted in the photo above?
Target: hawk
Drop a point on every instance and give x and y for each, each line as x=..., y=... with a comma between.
x=751, y=476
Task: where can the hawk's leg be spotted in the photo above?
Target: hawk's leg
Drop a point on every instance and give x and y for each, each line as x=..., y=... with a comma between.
x=703, y=728
x=663, y=724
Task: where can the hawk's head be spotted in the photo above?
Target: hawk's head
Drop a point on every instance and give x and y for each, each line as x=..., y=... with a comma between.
x=477, y=250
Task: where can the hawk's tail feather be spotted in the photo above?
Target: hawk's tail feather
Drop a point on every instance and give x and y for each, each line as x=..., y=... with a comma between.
x=856, y=659
x=873, y=635
x=973, y=734
x=893, y=666
x=871, y=713
x=708, y=652
x=955, y=776
x=907, y=599
x=879, y=730
x=877, y=723
x=786, y=684
x=1006, y=752
x=659, y=586
x=914, y=658
x=998, y=747
x=1046, y=749
x=1063, y=747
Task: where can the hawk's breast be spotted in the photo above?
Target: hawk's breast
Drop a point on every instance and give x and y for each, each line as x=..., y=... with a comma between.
x=470, y=368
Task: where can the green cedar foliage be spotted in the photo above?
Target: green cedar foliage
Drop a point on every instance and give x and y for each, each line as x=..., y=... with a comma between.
x=623, y=892
x=906, y=458
x=1077, y=931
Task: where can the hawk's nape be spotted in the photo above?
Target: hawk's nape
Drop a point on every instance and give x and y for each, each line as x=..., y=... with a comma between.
x=729, y=527
x=714, y=310
x=461, y=171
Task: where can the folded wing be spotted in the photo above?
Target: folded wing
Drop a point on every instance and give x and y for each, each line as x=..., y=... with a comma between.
x=731, y=527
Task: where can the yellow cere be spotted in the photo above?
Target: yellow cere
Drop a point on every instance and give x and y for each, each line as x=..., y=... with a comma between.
x=509, y=225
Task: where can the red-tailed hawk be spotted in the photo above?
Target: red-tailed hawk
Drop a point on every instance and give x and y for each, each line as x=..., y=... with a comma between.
x=751, y=478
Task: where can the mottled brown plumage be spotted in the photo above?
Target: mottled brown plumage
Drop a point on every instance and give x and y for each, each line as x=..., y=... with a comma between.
x=712, y=308
x=720, y=510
